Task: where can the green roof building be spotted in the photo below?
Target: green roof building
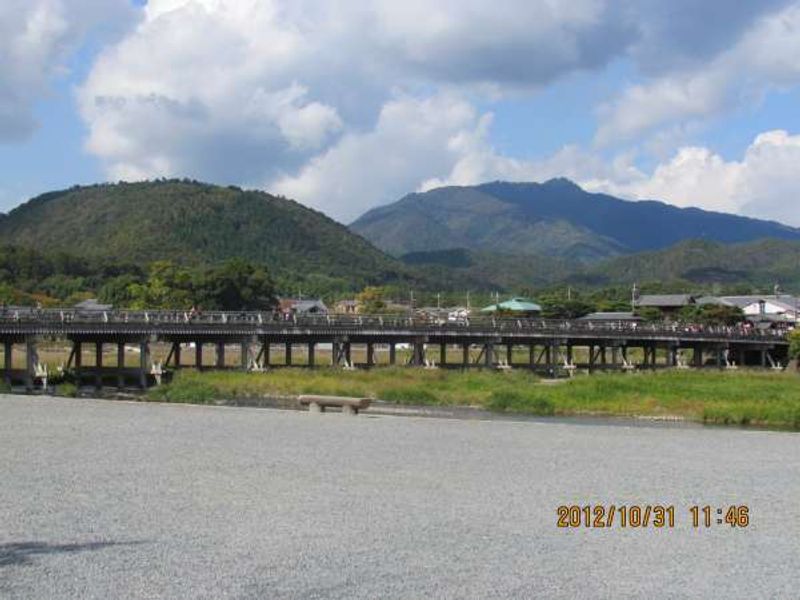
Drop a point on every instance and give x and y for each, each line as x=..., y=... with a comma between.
x=518, y=306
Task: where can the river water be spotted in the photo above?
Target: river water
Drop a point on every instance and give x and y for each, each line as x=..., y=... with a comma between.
x=106, y=499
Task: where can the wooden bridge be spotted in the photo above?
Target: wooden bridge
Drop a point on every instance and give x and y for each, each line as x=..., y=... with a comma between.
x=549, y=347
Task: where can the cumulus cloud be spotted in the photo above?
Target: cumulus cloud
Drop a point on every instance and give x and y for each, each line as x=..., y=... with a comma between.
x=763, y=184
x=762, y=58
x=37, y=37
x=347, y=105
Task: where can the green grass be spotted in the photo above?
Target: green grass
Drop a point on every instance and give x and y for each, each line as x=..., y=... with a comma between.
x=742, y=397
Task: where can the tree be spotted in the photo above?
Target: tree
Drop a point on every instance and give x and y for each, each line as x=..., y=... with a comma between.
x=555, y=308
x=372, y=300
x=235, y=285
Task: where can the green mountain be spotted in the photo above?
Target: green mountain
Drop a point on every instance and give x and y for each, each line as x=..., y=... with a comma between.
x=555, y=218
x=194, y=223
x=759, y=264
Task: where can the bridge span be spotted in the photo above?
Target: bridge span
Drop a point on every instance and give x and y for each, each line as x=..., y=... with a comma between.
x=550, y=347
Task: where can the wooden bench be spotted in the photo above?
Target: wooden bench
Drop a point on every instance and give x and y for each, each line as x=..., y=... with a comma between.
x=349, y=406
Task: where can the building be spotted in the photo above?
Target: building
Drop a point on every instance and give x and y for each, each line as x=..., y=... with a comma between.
x=611, y=316
x=516, y=306
x=781, y=307
x=668, y=304
x=92, y=305
x=303, y=307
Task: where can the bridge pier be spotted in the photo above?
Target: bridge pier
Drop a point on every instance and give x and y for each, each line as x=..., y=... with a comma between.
x=370, y=354
x=288, y=354
x=144, y=363
x=220, y=355
x=30, y=363
x=120, y=364
x=98, y=365
x=443, y=355
x=8, y=362
x=392, y=354
x=198, y=356
x=311, y=358
x=244, y=356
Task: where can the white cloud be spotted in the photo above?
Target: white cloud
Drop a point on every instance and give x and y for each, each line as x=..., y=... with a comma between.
x=347, y=105
x=763, y=184
x=37, y=37
x=763, y=57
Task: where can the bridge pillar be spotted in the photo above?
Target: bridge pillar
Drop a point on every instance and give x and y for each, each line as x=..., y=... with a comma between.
x=8, y=364
x=509, y=354
x=569, y=354
x=698, y=356
x=311, y=358
x=198, y=356
x=488, y=354
x=443, y=355
x=98, y=365
x=288, y=354
x=144, y=363
x=244, y=356
x=531, y=355
x=370, y=354
x=465, y=355
x=603, y=356
x=550, y=351
x=120, y=364
x=418, y=353
x=77, y=351
x=30, y=363
x=177, y=354
x=335, y=351
x=392, y=354
x=615, y=356
x=348, y=354
x=220, y=355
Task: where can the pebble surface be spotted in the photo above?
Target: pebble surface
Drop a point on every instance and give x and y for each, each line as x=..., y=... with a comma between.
x=102, y=499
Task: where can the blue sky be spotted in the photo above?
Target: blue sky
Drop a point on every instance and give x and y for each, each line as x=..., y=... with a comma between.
x=345, y=106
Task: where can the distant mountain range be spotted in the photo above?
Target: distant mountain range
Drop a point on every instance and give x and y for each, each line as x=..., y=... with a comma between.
x=556, y=218
x=496, y=236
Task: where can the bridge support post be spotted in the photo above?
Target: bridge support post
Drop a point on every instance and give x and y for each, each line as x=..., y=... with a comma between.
x=335, y=351
x=615, y=356
x=77, y=352
x=98, y=365
x=220, y=355
x=120, y=364
x=311, y=350
x=392, y=354
x=698, y=356
x=488, y=355
x=348, y=354
x=144, y=363
x=8, y=364
x=30, y=363
x=418, y=353
x=465, y=355
x=288, y=355
x=443, y=355
x=177, y=354
x=531, y=356
x=603, y=356
x=198, y=356
x=509, y=354
x=763, y=356
x=370, y=354
x=244, y=356
x=550, y=351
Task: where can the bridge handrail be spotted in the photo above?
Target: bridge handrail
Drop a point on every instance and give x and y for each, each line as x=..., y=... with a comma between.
x=388, y=322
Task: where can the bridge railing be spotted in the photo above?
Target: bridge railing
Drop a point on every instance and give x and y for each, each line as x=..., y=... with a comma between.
x=269, y=320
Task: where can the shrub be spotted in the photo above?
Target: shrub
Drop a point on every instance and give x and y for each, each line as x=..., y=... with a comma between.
x=67, y=390
x=184, y=391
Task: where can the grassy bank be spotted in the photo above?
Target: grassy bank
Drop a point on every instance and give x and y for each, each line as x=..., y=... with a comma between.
x=743, y=397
